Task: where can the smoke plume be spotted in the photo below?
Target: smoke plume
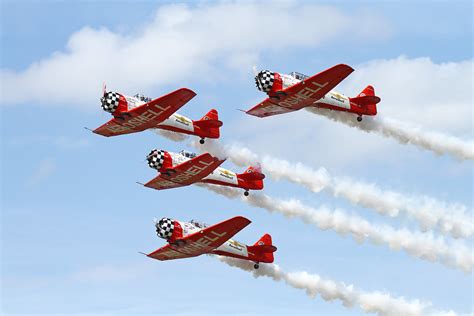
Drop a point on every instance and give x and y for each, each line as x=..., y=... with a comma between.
x=382, y=304
x=404, y=133
x=449, y=219
x=421, y=245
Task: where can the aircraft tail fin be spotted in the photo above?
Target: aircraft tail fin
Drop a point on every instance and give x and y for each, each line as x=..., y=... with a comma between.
x=210, y=124
x=212, y=115
x=263, y=249
x=252, y=173
x=368, y=100
x=264, y=240
x=369, y=90
x=251, y=178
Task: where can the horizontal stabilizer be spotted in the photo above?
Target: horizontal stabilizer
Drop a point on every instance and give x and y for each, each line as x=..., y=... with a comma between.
x=207, y=124
x=264, y=248
x=254, y=176
x=366, y=100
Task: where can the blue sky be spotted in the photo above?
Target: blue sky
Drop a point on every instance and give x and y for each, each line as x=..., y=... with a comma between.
x=73, y=219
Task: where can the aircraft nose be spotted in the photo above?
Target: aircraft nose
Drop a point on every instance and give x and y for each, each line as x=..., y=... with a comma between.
x=264, y=80
x=165, y=228
x=156, y=158
x=110, y=101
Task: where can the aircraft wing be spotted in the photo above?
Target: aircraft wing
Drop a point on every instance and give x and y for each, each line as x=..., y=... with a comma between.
x=203, y=241
x=303, y=93
x=186, y=173
x=147, y=115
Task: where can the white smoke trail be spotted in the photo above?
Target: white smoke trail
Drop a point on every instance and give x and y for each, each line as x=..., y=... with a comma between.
x=421, y=245
x=382, y=304
x=430, y=213
x=404, y=133
x=177, y=137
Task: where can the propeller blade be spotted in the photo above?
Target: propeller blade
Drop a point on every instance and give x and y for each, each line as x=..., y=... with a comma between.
x=254, y=69
x=104, y=88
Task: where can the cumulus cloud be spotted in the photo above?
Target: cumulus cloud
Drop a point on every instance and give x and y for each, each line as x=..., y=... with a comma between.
x=418, y=90
x=180, y=43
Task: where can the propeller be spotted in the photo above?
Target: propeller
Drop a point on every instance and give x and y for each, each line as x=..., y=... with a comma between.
x=104, y=89
x=150, y=155
x=257, y=77
x=254, y=69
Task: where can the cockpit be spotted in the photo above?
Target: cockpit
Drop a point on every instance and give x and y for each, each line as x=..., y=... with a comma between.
x=298, y=75
x=142, y=97
x=187, y=154
x=198, y=224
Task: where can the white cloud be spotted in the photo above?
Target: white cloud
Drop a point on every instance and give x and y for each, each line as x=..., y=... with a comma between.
x=433, y=96
x=181, y=43
x=436, y=95
x=45, y=168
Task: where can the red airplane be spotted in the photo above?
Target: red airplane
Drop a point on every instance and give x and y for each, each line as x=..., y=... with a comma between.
x=177, y=170
x=193, y=239
x=288, y=93
x=138, y=113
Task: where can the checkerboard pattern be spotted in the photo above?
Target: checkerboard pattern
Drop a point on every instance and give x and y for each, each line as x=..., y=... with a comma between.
x=164, y=228
x=264, y=80
x=156, y=158
x=110, y=101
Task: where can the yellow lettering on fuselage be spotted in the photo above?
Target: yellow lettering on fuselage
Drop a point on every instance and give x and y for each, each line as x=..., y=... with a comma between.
x=302, y=95
x=141, y=119
x=191, y=172
x=202, y=243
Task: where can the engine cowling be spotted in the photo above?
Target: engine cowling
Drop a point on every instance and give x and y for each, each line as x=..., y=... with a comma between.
x=168, y=228
x=158, y=159
x=113, y=102
x=268, y=81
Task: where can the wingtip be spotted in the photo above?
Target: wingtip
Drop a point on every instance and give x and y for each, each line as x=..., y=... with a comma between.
x=344, y=66
x=242, y=218
x=188, y=90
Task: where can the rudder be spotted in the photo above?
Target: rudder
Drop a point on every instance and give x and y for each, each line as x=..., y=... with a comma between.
x=211, y=115
x=369, y=90
x=209, y=124
x=251, y=178
x=264, y=240
x=368, y=100
x=263, y=249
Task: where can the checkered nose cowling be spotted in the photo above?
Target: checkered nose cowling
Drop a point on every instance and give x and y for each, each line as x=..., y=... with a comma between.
x=164, y=228
x=110, y=101
x=156, y=158
x=264, y=80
